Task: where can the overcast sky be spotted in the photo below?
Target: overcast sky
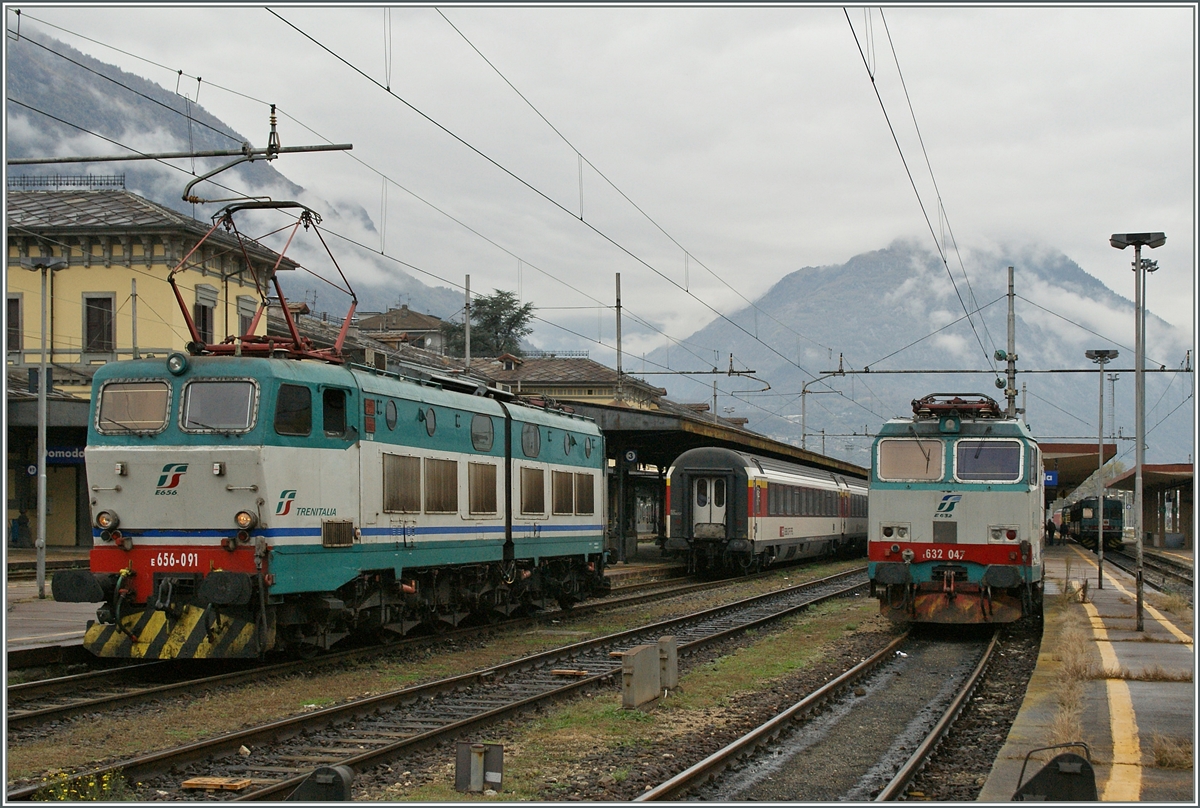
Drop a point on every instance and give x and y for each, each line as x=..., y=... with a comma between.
x=751, y=136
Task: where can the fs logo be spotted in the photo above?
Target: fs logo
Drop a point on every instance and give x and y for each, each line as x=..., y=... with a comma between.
x=946, y=506
x=286, y=498
x=168, y=481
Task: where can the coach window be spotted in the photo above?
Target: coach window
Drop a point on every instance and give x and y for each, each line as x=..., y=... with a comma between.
x=563, y=485
x=224, y=405
x=133, y=407
x=531, y=440
x=481, y=487
x=482, y=433
x=988, y=461
x=401, y=484
x=533, y=491
x=441, y=486
x=909, y=459
x=585, y=494
x=718, y=493
x=293, y=410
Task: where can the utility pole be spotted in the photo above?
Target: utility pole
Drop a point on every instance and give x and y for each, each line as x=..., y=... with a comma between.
x=1010, y=390
x=467, y=325
x=620, y=390
x=133, y=313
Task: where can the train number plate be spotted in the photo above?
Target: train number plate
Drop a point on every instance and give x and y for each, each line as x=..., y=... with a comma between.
x=175, y=560
x=940, y=554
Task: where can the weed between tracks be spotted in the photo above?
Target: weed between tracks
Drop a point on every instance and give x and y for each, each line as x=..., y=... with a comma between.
x=591, y=742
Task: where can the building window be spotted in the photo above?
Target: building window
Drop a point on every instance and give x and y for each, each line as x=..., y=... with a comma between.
x=98, y=336
x=203, y=314
x=13, y=323
x=246, y=309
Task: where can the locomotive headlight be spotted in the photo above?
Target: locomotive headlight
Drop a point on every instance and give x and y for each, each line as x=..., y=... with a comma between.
x=995, y=534
x=107, y=520
x=888, y=531
x=245, y=520
x=902, y=532
x=177, y=364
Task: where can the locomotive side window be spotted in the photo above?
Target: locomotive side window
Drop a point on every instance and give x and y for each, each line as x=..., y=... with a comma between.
x=562, y=483
x=531, y=440
x=390, y=414
x=293, y=410
x=533, y=490
x=481, y=487
x=333, y=411
x=401, y=484
x=441, y=486
x=585, y=494
x=133, y=407
x=988, y=460
x=225, y=406
x=910, y=459
x=482, y=433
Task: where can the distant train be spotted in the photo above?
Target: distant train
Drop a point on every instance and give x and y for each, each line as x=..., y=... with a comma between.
x=956, y=514
x=1079, y=523
x=731, y=511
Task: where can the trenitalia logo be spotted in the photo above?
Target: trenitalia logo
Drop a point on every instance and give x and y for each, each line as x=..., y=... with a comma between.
x=286, y=498
x=168, y=481
x=948, y=502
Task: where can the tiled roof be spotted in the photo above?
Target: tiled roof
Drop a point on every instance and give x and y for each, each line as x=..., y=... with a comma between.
x=401, y=319
x=92, y=211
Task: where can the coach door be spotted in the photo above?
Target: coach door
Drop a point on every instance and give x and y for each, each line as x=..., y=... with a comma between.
x=708, y=507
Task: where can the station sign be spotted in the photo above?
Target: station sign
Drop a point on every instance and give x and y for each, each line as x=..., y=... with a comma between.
x=1051, y=479
x=64, y=455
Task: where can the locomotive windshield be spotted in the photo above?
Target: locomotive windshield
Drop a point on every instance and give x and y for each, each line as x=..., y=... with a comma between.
x=218, y=404
x=909, y=459
x=133, y=407
x=990, y=460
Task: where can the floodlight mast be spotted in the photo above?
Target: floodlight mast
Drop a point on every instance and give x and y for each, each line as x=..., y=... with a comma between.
x=1138, y=240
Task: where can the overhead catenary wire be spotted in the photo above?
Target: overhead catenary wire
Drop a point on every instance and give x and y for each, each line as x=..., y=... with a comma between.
x=525, y=183
x=913, y=183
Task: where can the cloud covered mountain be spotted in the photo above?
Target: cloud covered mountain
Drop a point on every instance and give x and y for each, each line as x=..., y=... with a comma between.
x=64, y=103
x=897, y=309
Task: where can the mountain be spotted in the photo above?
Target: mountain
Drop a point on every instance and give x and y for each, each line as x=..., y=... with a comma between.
x=896, y=309
x=57, y=96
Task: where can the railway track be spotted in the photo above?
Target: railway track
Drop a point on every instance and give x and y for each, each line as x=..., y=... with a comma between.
x=368, y=731
x=32, y=704
x=864, y=735
x=1159, y=572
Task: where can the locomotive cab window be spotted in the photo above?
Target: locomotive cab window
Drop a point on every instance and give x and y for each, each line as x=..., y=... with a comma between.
x=333, y=411
x=988, y=461
x=909, y=459
x=218, y=405
x=133, y=407
x=293, y=410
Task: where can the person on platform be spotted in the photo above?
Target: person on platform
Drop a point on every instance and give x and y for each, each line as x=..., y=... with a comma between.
x=1050, y=527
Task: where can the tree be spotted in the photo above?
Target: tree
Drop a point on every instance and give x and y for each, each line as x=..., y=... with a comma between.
x=498, y=324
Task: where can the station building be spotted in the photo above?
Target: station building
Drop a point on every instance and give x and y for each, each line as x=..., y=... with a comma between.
x=105, y=254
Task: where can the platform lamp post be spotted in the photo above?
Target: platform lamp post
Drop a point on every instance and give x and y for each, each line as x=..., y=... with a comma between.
x=46, y=264
x=1101, y=357
x=1138, y=240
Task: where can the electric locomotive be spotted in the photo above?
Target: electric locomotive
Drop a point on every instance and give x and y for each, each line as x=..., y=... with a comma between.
x=734, y=512
x=1079, y=521
x=261, y=495
x=956, y=514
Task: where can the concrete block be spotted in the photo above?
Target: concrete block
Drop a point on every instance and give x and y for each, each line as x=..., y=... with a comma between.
x=639, y=677
x=668, y=663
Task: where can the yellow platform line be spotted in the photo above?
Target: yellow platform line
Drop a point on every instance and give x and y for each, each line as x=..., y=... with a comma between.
x=1125, y=779
x=1159, y=617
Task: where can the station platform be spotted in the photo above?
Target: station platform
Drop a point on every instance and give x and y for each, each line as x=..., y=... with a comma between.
x=1129, y=695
